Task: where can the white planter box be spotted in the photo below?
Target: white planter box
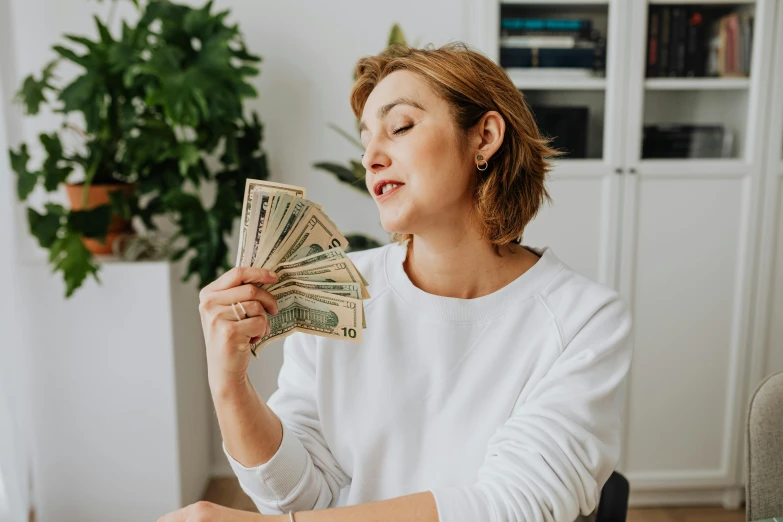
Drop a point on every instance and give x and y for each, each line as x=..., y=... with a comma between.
x=121, y=406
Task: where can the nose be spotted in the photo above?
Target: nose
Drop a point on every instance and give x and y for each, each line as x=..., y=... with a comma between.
x=374, y=158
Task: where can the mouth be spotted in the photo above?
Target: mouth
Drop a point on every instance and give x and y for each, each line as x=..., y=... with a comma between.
x=385, y=187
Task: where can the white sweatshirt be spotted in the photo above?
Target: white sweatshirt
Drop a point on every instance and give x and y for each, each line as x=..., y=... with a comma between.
x=507, y=407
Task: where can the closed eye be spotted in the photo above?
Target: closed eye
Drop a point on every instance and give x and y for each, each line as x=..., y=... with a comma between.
x=402, y=129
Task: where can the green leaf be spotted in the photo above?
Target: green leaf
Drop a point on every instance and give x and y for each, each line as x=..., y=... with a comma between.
x=189, y=156
x=79, y=93
x=27, y=180
x=347, y=136
x=179, y=254
x=69, y=256
x=31, y=95
x=92, y=223
x=196, y=20
x=45, y=227
x=343, y=174
x=122, y=204
x=396, y=35
x=103, y=31
x=53, y=173
x=68, y=54
x=89, y=44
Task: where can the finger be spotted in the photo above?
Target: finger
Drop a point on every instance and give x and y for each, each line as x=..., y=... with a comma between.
x=251, y=327
x=240, y=275
x=251, y=308
x=246, y=292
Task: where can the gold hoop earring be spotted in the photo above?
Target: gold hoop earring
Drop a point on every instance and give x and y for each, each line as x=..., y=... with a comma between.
x=480, y=158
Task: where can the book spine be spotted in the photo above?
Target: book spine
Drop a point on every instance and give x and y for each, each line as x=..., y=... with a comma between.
x=681, y=41
x=550, y=42
x=552, y=58
x=653, y=42
x=675, y=40
x=512, y=26
x=666, y=25
x=695, y=55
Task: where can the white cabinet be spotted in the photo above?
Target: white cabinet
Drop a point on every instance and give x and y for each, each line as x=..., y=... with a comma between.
x=694, y=245
x=767, y=334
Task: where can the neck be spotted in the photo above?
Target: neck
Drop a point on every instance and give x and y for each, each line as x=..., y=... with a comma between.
x=464, y=267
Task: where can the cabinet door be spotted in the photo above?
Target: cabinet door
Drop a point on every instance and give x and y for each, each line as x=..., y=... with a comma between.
x=687, y=260
x=685, y=268
x=768, y=321
x=581, y=223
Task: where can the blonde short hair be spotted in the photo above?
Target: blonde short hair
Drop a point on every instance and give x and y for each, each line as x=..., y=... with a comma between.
x=512, y=189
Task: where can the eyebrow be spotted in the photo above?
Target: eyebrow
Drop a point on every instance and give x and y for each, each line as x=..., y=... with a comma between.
x=383, y=111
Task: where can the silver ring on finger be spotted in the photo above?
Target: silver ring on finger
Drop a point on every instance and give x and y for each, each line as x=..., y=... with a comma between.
x=236, y=314
x=243, y=310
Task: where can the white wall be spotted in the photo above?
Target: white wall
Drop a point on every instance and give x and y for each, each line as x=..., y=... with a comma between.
x=308, y=49
x=14, y=367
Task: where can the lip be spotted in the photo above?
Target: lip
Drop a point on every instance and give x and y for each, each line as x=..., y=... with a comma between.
x=379, y=185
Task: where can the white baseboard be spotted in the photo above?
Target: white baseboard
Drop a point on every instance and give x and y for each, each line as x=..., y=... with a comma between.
x=703, y=497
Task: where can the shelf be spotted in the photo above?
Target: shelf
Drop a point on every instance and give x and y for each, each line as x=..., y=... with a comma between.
x=548, y=3
x=533, y=79
x=560, y=84
x=704, y=2
x=696, y=84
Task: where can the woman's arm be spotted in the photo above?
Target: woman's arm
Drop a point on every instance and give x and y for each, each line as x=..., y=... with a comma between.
x=251, y=431
x=277, y=449
x=298, y=471
x=419, y=507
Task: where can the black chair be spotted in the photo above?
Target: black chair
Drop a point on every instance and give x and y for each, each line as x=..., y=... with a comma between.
x=613, y=504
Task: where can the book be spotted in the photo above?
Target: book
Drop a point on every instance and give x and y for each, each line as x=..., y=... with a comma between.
x=673, y=140
x=549, y=42
x=567, y=126
x=579, y=29
x=653, y=28
x=586, y=58
x=677, y=43
x=665, y=42
x=696, y=44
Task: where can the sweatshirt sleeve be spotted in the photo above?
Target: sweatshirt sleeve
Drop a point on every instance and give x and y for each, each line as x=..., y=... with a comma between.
x=550, y=459
x=303, y=474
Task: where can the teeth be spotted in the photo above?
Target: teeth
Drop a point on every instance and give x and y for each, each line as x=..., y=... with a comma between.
x=388, y=187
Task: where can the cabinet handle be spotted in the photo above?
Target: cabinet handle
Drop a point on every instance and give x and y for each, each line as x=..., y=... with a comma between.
x=632, y=171
x=618, y=170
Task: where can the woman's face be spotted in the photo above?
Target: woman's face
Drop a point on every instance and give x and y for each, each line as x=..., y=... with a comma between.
x=412, y=144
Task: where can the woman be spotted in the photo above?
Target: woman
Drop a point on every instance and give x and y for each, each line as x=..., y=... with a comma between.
x=488, y=384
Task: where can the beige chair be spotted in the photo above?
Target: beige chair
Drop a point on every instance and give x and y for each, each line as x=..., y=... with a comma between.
x=764, y=454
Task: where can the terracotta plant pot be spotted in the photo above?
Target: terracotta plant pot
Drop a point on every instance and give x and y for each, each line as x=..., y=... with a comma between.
x=98, y=195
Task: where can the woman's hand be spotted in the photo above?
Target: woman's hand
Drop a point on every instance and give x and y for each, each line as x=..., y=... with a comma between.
x=209, y=512
x=228, y=339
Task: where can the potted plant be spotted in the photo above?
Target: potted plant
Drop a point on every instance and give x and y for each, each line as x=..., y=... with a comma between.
x=353, y=173
x=156, y=113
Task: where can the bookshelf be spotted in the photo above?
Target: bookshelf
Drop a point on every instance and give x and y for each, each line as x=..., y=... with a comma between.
x=697, y=84
x=676, y=234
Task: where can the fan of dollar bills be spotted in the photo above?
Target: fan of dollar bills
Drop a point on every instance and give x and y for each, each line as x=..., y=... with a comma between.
x=319, y=290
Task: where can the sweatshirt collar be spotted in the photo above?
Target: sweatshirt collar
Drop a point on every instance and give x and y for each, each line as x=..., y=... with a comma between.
x=459, y=310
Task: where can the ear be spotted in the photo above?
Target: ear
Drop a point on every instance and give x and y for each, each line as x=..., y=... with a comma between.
x=488, y=134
